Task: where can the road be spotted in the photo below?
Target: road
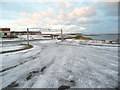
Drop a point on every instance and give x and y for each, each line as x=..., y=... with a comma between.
x=51, y=64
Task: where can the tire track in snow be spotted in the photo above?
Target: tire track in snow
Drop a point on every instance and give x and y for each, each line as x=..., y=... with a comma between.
x=9, y=68
x=33, y=57
x=34, y=66
x=94, y=66
x=31, y=75
x=60, y=63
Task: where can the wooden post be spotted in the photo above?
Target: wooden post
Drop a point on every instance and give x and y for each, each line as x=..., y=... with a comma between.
x=28, y=36
x=2, y=43
x=118, y=41
x=61, y=35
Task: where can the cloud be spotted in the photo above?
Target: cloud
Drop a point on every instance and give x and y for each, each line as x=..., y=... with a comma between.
x=64, y=4
x=33, y=18
x=65, y=16
x=41, y=1
x=38, y=14
x=66, y=28
x=74, y=28
x=70, y=16
x=24, y=14
x=59, y=18
x=67, y=4
x=50, y=17
x=24, y=22
x=51, y=21
x=88, y=21
x=62, y=15
x=47, y=12
x=85, y=11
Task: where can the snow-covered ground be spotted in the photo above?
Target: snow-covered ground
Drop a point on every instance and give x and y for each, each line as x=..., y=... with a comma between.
x=50, y=64
x=91, y=42
x=11, y=48
x=24, y=37
x=5, y=39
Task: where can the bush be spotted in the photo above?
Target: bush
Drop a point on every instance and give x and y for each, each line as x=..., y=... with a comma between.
x=27, y=46
x=77, y=37
x=81, y=37
x=11, y=36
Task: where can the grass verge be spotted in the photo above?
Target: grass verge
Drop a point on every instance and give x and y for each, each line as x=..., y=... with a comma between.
x=26, y=47
x=78, y=37
x=10, y=36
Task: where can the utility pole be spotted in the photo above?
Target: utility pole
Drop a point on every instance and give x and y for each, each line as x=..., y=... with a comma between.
x=28, y=36
x=2, y=43
x=28, y=33
x=62, y=36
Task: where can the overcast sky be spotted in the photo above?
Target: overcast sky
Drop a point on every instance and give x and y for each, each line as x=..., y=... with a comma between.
x=83, y=17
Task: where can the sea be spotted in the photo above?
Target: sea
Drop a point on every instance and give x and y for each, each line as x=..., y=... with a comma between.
x=105, y=37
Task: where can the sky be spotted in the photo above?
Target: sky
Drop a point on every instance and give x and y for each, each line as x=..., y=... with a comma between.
x=81, y=17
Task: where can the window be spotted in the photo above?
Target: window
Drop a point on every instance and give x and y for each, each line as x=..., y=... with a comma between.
x=5, y=33
x=0, y=34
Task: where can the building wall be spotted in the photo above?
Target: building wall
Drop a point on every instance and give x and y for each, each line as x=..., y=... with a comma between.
x=5, y=33
x=25, y=33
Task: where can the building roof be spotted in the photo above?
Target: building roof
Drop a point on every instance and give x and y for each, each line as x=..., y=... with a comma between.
x=4, y=29
x=25, y=32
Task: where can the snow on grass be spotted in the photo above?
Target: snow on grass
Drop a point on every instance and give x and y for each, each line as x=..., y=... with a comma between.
x=11, y=48
x=50, y=64
x=90, y=42
x=11, y=39
x=24, y=37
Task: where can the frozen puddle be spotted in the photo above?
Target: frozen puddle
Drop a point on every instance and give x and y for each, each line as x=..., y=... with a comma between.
x=55, y=65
